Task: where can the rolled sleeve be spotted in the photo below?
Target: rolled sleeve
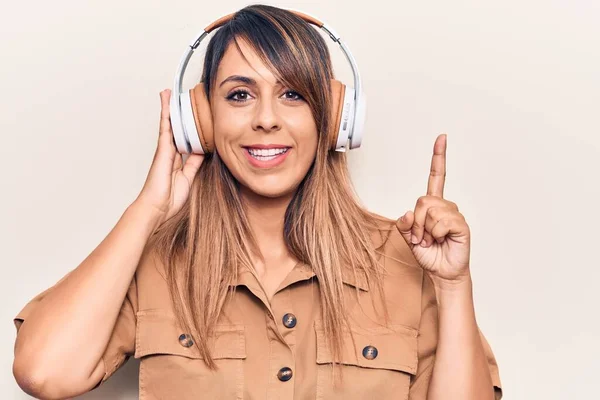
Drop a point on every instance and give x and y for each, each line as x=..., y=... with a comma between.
x=493, y=366
x=121, y=344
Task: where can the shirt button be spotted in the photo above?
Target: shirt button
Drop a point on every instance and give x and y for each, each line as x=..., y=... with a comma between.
x=185, y=340
x=370, y=352
x=284, y=374
x=289, y=320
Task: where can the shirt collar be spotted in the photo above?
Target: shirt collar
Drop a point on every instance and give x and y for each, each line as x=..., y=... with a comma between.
x=303, y=271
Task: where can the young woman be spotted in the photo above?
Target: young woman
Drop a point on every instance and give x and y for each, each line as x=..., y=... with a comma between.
x=253, y=271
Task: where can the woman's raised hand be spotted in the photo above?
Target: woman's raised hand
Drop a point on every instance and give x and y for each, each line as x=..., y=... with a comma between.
x=168, y=183
x=436, y=232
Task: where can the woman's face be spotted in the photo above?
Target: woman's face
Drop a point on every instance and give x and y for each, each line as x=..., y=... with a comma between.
x=264, y=132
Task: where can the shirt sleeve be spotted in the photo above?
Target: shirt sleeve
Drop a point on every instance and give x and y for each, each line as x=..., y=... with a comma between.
x=427, y=345
x=121, y=344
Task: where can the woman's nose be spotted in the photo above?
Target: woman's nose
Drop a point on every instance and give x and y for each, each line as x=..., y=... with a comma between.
x=267, y=117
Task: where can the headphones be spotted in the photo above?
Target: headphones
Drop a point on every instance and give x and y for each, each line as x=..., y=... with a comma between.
x=191, y=118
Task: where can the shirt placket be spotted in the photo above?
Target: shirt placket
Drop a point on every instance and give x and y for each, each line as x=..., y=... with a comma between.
x=281, y=322
x=282, y=338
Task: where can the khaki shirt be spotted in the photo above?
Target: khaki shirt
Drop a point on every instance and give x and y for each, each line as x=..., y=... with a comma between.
x=277, y=349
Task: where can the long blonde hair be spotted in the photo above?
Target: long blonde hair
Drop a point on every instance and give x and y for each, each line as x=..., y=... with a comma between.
x=325, y=226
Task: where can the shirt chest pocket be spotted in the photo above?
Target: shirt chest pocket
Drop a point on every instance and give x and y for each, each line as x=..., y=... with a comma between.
x=172, y=368
x=378, y=364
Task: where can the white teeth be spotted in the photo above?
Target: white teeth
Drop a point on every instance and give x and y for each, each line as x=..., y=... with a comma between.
x=266, y=152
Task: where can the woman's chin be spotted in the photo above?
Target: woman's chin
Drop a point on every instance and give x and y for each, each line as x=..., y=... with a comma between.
x=271, y=189
x=272, y=193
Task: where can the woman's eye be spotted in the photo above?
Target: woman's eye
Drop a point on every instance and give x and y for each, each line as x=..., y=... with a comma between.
x=296, y=94
x=236, y=93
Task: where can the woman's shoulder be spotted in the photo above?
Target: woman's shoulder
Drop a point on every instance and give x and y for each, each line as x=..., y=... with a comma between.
x=152, y=288
x=403, y=276
x=402, y=279
x=388, y=242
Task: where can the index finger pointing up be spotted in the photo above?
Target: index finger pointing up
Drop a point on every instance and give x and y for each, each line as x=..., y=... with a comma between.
x=437, y=174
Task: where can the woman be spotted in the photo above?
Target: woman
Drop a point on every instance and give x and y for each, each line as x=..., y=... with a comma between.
x=253, y=271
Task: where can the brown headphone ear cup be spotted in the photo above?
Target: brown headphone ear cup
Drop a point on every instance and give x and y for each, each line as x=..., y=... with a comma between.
x=203, y=117
x=338, y=89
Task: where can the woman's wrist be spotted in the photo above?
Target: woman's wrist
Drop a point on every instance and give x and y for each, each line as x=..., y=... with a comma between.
x=148, y=216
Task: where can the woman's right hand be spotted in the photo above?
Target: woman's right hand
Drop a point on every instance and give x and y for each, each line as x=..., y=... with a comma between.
x=168, y=183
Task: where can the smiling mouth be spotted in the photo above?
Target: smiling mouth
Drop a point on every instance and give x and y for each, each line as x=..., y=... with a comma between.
x=266, y=154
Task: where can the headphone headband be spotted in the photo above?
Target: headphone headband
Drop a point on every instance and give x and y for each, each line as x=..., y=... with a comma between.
x=226, y=18
x=355, y=102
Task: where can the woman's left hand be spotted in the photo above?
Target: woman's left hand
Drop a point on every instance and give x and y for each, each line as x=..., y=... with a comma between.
x=436, y=232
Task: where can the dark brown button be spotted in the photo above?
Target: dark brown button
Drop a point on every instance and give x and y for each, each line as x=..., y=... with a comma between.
x=185, y=340
x=284, y=374
x=370, y=352
x=289, y=320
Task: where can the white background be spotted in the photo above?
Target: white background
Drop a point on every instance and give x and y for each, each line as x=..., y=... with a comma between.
x=514, y=84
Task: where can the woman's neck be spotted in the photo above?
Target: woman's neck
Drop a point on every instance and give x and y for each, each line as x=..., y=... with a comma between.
x=266, y=217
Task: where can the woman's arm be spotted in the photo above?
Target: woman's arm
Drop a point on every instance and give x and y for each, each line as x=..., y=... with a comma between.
x=461, y=369
x=59, y=346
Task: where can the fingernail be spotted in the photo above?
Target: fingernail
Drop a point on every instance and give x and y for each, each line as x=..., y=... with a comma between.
x=423, y=243
x=414, y=239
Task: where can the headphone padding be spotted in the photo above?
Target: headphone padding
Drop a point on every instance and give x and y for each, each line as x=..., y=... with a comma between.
x=203, y=117
x=337, y=100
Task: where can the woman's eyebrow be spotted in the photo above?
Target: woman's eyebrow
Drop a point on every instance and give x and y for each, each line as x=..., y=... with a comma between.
x=243, y=79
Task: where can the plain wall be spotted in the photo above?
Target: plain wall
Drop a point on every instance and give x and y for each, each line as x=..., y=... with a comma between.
x=514, y=84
